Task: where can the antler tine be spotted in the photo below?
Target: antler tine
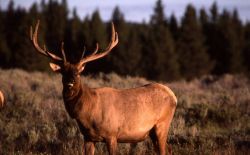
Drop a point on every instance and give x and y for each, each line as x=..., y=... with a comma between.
x=96, y=49
x=33, y=37
x=83, y=52
x=63, y=53
x=114, y=38
x=112, y=44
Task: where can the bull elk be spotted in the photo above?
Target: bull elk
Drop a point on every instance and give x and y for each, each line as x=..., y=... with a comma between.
x=112, y=115
x=1, y=100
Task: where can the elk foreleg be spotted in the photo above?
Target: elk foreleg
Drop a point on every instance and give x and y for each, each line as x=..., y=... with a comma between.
x=112, y=145
x=89, y=148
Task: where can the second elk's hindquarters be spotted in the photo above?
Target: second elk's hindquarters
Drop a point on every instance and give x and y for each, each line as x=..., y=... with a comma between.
x=1, y=100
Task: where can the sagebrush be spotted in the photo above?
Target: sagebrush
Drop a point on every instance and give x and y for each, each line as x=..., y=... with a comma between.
x=212, y=115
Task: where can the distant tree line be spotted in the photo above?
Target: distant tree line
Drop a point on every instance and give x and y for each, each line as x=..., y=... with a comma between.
x=203, y=42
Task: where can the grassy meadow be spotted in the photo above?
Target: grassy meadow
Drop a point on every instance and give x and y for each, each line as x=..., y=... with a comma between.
x=212, y=116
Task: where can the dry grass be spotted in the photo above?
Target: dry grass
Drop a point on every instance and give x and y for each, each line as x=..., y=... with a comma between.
x=212, y=116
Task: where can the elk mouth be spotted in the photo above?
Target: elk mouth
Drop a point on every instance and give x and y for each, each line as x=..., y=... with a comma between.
x=69, y=89
x=68, y=86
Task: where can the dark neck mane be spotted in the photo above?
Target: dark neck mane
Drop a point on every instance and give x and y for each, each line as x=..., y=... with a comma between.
x=74, y=102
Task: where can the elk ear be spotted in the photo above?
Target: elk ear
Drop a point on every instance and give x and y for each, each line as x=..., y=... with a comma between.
x=55, y=67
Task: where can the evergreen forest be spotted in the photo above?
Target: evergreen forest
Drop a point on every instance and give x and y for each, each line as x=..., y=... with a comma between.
x=202, y=42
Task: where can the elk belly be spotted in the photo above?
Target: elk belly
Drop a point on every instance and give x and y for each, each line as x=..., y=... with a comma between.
x=135, y=130
x=133, y=134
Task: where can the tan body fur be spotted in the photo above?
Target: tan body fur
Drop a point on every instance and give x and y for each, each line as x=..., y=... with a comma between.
x=127, y=115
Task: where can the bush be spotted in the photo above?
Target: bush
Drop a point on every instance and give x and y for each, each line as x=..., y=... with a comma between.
x=211, y=117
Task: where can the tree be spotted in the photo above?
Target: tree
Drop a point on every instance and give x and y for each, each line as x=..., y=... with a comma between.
x=161, y=57
x=229, y=58
x=97, y=34
x=5, y=54
x=246, y=49
x=74, y=43
x=133, y=53
x=17, y=42
x=204, y=19
x=213, y=36
x=55, y=18
x=214, y=12
x=121, y=54
x=193, y=57
x=98, y=30
x=37, y=62
x=173, y=27
x=239, y=43
x=158, y=16
x=143, y=35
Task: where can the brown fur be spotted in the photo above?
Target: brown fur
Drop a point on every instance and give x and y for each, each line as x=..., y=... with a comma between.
x=113, y=115
x=128, y=115
x=119, y=115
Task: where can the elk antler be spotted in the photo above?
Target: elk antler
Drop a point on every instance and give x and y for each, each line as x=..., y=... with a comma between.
x=94, y=56
x=84, y=50
x=62, y=50
x=44, y=51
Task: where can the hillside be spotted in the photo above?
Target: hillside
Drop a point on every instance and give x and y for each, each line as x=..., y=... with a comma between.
x=212, y=115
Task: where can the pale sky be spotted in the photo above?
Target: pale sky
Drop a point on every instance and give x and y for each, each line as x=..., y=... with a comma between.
x=139, y=10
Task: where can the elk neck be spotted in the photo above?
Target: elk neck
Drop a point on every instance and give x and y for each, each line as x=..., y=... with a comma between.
x=74, y=98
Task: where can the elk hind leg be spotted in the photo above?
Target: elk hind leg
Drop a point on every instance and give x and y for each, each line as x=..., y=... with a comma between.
x=161, y=138
x=161, y=131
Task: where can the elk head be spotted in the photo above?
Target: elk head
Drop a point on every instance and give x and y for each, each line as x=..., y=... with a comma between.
x=71, y=71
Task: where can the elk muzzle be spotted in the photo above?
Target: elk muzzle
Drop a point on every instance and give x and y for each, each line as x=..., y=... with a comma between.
x=70, y=85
